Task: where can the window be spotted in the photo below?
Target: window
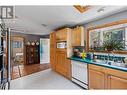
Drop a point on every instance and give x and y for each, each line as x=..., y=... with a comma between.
x=17, y=44
x=98, y=37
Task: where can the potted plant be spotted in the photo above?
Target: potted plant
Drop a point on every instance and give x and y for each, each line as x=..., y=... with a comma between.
x=111, y=45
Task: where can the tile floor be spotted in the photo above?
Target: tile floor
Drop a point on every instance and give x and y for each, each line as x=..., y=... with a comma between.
x=46, y=79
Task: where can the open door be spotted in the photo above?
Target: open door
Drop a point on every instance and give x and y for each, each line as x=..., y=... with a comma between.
x=44, y=51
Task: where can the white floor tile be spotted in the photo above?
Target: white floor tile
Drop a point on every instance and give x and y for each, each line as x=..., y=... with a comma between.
x=46, y=79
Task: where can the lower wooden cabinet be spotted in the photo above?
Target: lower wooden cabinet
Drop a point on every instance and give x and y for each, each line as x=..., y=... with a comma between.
x=116, y=82
x=68, y=69
x=63, y=65
x=106, y=78
x=96, y=79
x=61, y=62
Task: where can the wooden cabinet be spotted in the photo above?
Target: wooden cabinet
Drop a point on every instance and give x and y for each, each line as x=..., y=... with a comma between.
x=58, y=57
x=52, y=50
x=78, y=36
x=115, y=82
x=61, y=62
x=68, y=69
x=32, y=54
x=61, y=35
x=96, y=79
x=106, y=78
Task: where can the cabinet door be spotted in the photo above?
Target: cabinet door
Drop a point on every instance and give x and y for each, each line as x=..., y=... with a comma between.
x=68, y=68
x=117, y=83
x=96, y=79
x=61, y=35
x=52, y=50
x=76, y=37
x=61, y=62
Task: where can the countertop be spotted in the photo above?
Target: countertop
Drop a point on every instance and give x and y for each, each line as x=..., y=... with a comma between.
x=88, y=61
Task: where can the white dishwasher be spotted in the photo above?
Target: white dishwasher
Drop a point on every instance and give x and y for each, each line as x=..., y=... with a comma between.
x=80, y=73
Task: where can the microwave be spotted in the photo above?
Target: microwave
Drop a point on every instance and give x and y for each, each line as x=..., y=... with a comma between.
x=61, y=45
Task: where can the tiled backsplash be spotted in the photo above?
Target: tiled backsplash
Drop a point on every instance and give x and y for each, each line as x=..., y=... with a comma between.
x=111, y=57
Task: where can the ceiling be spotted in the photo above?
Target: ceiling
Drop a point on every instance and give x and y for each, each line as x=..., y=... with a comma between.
x=29, y=19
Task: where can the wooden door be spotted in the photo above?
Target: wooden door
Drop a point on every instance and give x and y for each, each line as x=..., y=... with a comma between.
x=61, y=62
x=96, y=79
x=52, y=50
x=116, y=83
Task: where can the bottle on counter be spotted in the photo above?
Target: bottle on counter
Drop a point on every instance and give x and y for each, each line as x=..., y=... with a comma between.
x=83, y=55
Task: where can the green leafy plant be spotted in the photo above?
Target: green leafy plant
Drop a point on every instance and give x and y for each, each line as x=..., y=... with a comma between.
x=111, y=45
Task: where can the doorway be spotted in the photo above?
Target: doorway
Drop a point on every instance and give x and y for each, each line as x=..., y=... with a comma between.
x=44, y=50
x=17, y=50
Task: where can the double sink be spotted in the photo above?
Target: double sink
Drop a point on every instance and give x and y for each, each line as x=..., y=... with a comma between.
x=111, y=63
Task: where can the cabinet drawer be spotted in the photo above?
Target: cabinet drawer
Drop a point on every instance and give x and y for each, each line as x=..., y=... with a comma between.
x=98, y=68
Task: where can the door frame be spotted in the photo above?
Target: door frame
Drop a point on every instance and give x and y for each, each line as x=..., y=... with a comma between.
x=24, y=52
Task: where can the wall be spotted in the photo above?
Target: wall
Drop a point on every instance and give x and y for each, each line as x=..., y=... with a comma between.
x=29, y=37
x=109, y=19
x=112, y=18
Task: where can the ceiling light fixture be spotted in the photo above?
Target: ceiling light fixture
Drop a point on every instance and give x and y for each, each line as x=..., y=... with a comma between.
x=44, y=25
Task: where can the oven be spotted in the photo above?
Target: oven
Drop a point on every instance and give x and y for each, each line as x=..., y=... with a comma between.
x=80, y=73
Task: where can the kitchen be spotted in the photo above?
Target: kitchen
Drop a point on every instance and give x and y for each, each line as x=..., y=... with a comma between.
x=96, y=61
x=86, y=51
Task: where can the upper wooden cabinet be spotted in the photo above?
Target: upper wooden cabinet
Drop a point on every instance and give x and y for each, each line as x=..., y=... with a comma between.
x=61, y=35
x=78, y=36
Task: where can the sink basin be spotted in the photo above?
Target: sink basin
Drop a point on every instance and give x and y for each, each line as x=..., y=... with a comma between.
x=111, y=63
x=100, y=61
